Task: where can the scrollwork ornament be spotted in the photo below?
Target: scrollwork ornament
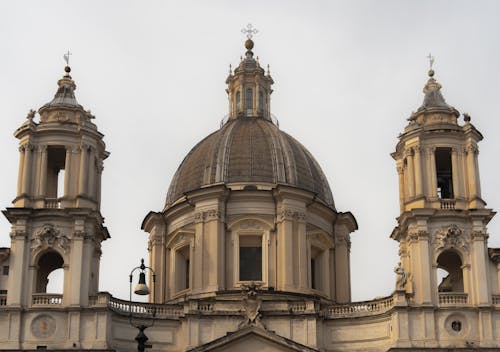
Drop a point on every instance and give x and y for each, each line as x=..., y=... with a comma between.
x=285, y=214
x=199, y=217
x=50, y=236
x=450, y=236
x=479, y=235
x=213, y=214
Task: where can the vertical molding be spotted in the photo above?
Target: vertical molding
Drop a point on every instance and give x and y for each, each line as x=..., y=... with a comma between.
x=418, y=171
x=20, y=180
x=411, y=173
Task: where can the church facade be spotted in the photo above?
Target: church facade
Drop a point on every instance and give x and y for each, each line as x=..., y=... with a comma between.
x=249, y=251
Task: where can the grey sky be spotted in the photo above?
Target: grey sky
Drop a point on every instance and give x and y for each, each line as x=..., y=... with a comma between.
x=347, y=73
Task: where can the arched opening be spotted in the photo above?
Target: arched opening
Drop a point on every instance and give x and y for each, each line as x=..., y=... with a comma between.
x=449, y=273
x=50, y=274
x=55, y=171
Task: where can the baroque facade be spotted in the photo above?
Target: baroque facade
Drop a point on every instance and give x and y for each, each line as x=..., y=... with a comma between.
x=249, y=249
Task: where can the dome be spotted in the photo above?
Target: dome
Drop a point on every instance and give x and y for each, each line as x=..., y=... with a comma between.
x=252, y=151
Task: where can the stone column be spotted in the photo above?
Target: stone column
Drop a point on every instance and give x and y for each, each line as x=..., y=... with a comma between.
x=27, y=170
x=471, y=171
x=342, y=248
x=285, y=249
x=15, y=287
x=418, y=171
x=215, y=250
x=401, y=189
x=432, y=172
x=197, y=261
x=75, y=267
x=457, y=192
x=411, y=173
x=22, y=153
x=67, y=172
x=303, y=264
x=421, y=266
x=42, y=190
x=480, y=272
x=92, y=172
x=83, y=177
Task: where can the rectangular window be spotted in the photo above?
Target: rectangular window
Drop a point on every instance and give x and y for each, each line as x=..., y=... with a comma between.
x=313, y=273
x=182, y=267
x=444, y=173
x=5, y=270
x=250, y=258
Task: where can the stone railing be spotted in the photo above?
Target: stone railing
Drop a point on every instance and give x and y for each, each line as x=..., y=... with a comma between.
x=356, y=309
x=448, y=203
x=143, y=309
x=452, y=298
x=46, y=299
x=496, y=299
x=3, y=300
x=53, y=203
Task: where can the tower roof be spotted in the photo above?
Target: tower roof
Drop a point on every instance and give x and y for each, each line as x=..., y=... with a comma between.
x=65, y=95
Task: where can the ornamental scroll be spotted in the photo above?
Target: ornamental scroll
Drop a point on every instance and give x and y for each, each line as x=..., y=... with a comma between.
x=451, y=236
x=50, y=236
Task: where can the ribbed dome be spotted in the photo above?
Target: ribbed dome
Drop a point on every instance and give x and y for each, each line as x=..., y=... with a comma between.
x=249, y=150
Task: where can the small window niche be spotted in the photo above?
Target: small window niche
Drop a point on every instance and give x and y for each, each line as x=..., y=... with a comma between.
x=182, y=268
x=56, y=159
x=250, y=258
x=315, y=267
x=444, y=173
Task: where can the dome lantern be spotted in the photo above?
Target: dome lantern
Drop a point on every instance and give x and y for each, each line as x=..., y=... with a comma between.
x=249, y=87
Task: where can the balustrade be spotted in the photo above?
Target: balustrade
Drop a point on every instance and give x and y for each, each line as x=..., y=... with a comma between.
x=452, y=298
x=46, y=299
x=365, y=308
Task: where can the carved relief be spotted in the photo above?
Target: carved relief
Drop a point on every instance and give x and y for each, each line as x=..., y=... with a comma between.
x=289, y=215
x=50, y=236
x=451, y=236
x=251, y=305
x=417, y=235
x=209, y=215
x=250, y=224
x=479, y=235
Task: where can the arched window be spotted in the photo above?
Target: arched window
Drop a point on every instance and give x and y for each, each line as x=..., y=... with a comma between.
x=50, y=274
x=450, y=276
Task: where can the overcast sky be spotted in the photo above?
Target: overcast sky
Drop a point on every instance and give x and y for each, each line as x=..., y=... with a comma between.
x=347, y=75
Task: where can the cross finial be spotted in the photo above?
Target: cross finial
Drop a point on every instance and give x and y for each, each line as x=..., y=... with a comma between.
x=66, y=57
x=249, y=31
x=431, y=61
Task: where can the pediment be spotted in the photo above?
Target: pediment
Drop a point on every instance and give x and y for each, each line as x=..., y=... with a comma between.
x=252, y=338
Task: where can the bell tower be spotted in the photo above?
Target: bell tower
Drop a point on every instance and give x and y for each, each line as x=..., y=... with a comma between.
x=442, y=226
x=55, y=219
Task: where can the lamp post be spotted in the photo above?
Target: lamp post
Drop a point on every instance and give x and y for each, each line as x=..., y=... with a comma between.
x=141, y=289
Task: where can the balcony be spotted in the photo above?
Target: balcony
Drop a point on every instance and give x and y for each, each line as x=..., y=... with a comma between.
x=452, y=298
x=447, y=203
x=357, y=309
x=53, y=203
x=46, y=299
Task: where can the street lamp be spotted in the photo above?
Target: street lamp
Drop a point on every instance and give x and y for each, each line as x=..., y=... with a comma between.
x=141, y=289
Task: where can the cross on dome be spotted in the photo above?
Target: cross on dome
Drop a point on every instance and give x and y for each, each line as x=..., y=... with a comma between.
x=249, y=31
